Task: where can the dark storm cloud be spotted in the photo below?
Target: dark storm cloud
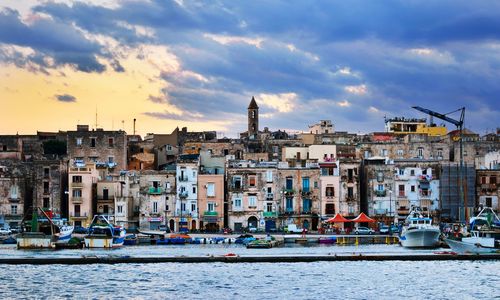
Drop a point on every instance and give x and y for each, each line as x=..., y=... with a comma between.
x=65, y=98
x=436, y=54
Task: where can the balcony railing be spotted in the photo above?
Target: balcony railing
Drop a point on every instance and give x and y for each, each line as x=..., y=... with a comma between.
x=210, y=213
x=14, y=199
x=155, y=190
x=380, y=193
x=403, y=211
x=77, y=184
x=269, y=196
x=182, y=178
x=77, y=200
x=78, y=215
x=183, y=194
x=270, y=214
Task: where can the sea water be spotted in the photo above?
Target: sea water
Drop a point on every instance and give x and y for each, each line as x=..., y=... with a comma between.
x=316, y=280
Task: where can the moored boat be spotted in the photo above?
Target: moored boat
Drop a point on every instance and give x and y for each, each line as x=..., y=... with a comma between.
x=103, y=234
x=39, y=229
x=419, y=232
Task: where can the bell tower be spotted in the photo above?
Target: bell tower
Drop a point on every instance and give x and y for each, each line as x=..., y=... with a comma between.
x=253, y=119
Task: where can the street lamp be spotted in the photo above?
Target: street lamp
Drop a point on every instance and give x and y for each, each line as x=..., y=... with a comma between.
x=390, y=207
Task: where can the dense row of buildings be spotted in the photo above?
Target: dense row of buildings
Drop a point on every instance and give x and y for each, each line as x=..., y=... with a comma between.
x=264, y=179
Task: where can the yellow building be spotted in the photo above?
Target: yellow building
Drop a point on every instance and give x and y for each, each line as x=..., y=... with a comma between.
x=413, y=126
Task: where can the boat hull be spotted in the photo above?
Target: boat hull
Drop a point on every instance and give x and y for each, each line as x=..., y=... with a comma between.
x=98, y=242
x=420, y=238
x=35, y=241
x=471, y=248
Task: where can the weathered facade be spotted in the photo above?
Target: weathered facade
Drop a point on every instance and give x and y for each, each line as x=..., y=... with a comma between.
x=82, y=192
x=488, y=189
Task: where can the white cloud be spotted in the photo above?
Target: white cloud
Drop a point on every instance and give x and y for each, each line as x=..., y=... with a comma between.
x=356, y=89
x=344, y=103
x=226, y=39
x=432, y=55
x=283, y=103
x=373, y=109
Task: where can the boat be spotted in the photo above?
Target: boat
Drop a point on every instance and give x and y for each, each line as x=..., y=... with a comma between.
x=244, y=239
x=41, y=229
x=266, y=243
x=484, y=236
x=8, y=241
x=103, y=234
x=419, y=232
x=130, y=240
x=327, y=240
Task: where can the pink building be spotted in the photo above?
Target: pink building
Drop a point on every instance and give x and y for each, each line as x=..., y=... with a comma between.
x=211, y=201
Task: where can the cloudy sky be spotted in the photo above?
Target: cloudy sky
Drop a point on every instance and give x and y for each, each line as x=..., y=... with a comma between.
x=198, y=63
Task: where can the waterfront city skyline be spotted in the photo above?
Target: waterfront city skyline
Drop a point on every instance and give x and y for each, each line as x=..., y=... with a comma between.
x=197, y=64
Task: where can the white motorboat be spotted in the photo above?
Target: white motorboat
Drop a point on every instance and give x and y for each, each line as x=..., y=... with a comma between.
x=419, y=232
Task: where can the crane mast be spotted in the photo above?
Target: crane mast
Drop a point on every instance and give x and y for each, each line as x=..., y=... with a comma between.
x=460, y=126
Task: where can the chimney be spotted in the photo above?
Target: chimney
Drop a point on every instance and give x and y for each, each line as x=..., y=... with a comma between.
x=134, y=126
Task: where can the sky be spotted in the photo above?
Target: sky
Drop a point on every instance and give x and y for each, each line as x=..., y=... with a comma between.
x=199, y=63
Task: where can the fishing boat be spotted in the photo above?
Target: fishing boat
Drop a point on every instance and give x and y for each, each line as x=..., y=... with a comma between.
x=484, y=235
x=41, y=229
x=103, y=234
x=419, y=232
x=130, y=240
x=268, y=242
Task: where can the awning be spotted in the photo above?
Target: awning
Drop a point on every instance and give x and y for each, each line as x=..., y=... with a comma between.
x=338, y=218
x=362, y=218
x=210, y=219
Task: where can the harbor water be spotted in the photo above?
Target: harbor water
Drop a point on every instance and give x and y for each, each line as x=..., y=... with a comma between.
x=317, y=280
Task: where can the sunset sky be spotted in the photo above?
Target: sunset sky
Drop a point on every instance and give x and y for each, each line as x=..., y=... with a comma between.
x=198, y=63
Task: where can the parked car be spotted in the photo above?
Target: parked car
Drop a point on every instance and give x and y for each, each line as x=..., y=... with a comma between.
x=80, y=230
x=292, y=228
x=5, y=231
x=384, y=229
x=363, y=230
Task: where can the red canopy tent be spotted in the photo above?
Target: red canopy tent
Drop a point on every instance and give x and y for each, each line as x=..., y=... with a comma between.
x=362, y=218
x=338, y=218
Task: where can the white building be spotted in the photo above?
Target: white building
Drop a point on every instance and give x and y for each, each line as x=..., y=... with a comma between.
x=186, y=205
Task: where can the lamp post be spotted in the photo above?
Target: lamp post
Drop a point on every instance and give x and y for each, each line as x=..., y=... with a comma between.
x=390, y=208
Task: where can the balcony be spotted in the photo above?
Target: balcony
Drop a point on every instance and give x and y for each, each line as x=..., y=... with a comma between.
x=13, y=216
x=14, y=200
x=155, y=191
x=306, y=192
x=77, y=184
x=77, y=200
x=403, y=211
x=380, y=212
x=180, y=178
x=380, y=193
x=289, y=191
x=270, y=214
x=183, y=194
x=79, y=215
x=210, y=213
x=270, y=196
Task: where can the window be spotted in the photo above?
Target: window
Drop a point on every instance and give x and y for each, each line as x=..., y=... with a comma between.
x=401, y=190
x=77, y=193
x=155, y=207
x=237, y=203
x=77, y=178
x=211, y=206
x=166, y=207
x=46, y=172
x=401, y=172
x=251, y=181
x=79, y=142
x=350, y=192
x=211, y=190
x=488, y=201
x=269, y=176
x=46, y=202
x=289, y=183
x=111, y=159
x=400, y=152
x=111, y=142
x=440, y=153
x=412, y=188
x=45, y=187
x=412, y=172
x=252, y=201
x=105, y=194
x=306, y=205
x=119, y=209
x=269, y=206
x=93, y=158
x=330, y=191
x=13, y=209
x=237, y=182
x=92, y=142
x=194, y=190
x=193, y=207
x=315, y=184
x=483, y=180
x=380, y=187
x=330, y=208
x=493, y=180
x=305, y=184
x=14, y=192
x=183, y=206
x=420, y=152
x=289, y=204
x=349, y=175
